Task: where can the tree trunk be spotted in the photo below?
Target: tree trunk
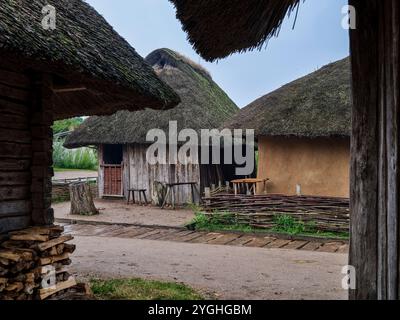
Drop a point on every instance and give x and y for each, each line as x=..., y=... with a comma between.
x=82, y=200
x=375, y=179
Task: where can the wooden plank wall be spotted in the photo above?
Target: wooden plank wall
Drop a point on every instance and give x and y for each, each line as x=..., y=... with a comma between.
x=142, y=175
x=375, y=176
x=15, y=151
x=101, y=171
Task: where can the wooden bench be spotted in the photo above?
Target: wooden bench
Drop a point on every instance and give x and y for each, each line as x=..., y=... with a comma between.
x=140, y=192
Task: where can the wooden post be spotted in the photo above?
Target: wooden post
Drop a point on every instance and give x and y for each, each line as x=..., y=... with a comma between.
x=42, y=157
x=374, y=244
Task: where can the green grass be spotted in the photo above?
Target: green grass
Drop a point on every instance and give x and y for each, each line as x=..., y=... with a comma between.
x=60, y=199
x=139, y=289
x=284, y=224
x=223, y=222
x=288, y=224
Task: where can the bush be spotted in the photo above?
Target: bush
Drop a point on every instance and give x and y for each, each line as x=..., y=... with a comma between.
x=83, y=158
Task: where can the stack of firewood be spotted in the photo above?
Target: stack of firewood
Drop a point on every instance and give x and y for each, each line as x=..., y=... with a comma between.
x=33, y=264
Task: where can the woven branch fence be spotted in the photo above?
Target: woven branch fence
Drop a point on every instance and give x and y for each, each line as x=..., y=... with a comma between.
x=260, y=211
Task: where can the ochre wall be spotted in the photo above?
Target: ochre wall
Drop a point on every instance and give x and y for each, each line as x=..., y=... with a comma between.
x=320, y=166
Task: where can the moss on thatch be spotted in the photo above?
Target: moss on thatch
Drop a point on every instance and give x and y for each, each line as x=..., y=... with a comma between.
x=317, y=105
x=83, y=46
x=204, y=105
x=220, y=28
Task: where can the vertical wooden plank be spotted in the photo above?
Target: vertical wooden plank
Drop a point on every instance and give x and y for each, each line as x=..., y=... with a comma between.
x=374, y=248
x=42, y=160
x=100, y=181
x=388, y=52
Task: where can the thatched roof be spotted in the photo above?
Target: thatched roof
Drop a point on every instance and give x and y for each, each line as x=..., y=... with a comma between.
x=204, y=106
x=83, y=50
x=317, y=105
x=218, y=28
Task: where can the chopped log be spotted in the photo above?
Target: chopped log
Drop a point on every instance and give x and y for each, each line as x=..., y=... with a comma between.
x=50, y=260
x=46, y=230
x=52, y=243
x=4, y=262
x=3, y=271
x=16, y=286
x=30, y=237
x=45, y=293
x=9, y=255
x=81, y=291
x=3, y=283
x=82, y=200
x=70, y=248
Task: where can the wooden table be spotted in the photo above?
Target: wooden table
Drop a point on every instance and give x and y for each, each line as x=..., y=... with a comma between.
x=248, y=185
x=171, y=191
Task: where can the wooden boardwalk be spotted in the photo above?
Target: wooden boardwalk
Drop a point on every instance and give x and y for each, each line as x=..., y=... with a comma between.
x=212, y=238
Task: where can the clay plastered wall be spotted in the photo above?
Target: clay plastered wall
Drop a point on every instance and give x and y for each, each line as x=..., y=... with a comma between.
x=320, y=166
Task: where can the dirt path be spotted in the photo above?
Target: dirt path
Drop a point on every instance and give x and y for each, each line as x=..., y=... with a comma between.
x=117, y=211
x=230, y=272
x=74, y=174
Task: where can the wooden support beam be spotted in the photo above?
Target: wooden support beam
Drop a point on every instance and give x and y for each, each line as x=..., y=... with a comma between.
x=375, y=218
x=40, y=126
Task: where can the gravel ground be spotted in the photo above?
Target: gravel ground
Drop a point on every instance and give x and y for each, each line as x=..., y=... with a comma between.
x=228, y=272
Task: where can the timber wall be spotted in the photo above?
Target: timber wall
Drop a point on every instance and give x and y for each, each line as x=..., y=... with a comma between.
x=15, y=151
x=139, y=174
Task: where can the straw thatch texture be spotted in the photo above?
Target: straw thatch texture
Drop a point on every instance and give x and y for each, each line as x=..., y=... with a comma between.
x=83, y=49
x=204, y=105
x=317, y=105
x=219, y=28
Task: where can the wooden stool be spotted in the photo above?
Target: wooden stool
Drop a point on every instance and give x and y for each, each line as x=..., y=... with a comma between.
x=141, y=192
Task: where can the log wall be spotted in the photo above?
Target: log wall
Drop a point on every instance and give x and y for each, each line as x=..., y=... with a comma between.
x=15, y=151
x=26, y=116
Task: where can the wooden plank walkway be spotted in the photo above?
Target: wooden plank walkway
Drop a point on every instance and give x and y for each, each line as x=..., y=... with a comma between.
x=212, y=238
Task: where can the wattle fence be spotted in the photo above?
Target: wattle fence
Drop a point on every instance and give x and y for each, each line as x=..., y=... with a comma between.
x=60, y=191
x=260, y=211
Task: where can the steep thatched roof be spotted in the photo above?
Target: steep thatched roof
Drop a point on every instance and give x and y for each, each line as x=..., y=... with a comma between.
x=204, y=105
x=218, y=28
x=83, y=50
x=317, y=105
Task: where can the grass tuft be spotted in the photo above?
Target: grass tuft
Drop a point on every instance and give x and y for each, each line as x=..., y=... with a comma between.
x=284, y=224
x=140, y=289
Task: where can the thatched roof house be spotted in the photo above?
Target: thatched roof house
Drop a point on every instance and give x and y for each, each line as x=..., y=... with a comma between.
x=83, y=67
x=317, y=105
x=303, y=131
x=83, y=49
x=219, y=28
x=204, y=106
